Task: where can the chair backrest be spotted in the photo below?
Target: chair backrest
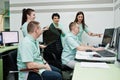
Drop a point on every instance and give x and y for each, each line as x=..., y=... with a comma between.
x=13, y=60
x=54, y=49
x=49, y=37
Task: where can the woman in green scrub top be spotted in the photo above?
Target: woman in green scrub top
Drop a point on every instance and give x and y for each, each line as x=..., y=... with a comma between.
x=82, y=26
x=28, y=15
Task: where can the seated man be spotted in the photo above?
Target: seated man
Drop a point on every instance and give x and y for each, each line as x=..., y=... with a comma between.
x=72, y=44
x=29, y=57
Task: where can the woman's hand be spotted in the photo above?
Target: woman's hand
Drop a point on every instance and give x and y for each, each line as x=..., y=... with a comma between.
x=94, y=34
x=99, y=35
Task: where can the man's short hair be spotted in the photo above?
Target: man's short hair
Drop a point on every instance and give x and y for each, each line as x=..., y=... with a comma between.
x=55, y=14
x=31, y=26
x=71, y=25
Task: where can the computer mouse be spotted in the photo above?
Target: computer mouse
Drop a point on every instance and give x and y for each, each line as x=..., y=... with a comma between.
x=96, y=55
x=88, y=50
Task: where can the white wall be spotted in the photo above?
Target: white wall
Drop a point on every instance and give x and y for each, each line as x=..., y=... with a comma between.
x=117, y=13
x=1, y=23
x=98, y=14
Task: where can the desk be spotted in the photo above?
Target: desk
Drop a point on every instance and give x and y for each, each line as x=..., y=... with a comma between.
x=4, y=50
x=7, y=48
x=113, y=73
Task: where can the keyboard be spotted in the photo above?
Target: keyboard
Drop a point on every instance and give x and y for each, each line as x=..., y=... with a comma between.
x=105, y=53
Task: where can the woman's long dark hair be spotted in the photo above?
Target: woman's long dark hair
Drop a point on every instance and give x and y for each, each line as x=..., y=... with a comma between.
x=26, y=12
x=83, y=21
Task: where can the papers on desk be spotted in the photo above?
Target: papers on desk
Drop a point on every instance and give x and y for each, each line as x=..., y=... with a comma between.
x=94, y=65
x=82, y=55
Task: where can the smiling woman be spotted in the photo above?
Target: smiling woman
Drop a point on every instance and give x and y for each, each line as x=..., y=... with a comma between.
x=80, y=20
x=28, y=15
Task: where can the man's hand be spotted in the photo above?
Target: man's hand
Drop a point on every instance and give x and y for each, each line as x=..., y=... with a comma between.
x=47, y=67
x=45, y=28
x=42, y=46
x=36, y=70
x=98, y=49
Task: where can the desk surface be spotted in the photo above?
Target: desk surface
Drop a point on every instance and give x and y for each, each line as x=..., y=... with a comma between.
x=1, y=70
x=113, y=73
x=7, y=48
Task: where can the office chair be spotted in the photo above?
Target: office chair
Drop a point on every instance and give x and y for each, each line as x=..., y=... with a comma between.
x=10, y=67
x=52, y=53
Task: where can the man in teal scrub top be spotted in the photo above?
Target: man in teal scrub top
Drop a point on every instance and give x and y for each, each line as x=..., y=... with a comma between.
x=72, y=44
x=29, y=56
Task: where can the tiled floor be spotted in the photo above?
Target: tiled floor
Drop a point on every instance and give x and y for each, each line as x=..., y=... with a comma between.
x=67, y=75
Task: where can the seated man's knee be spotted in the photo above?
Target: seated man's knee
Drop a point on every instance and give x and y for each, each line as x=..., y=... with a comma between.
x=51, y=75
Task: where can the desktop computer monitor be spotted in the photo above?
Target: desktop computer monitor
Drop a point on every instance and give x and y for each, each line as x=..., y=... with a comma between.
x=118, y=51
x=0, y=39
x=108, y=37
x=10, y=37
x=117, y=43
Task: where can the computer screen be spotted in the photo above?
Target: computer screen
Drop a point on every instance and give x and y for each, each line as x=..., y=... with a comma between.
x=117, y=43
x=108, y=36
x=118, y=51
x=10, y=37
x=0, y=39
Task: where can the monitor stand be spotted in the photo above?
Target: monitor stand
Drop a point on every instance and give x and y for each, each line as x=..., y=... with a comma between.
x=5, y=45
